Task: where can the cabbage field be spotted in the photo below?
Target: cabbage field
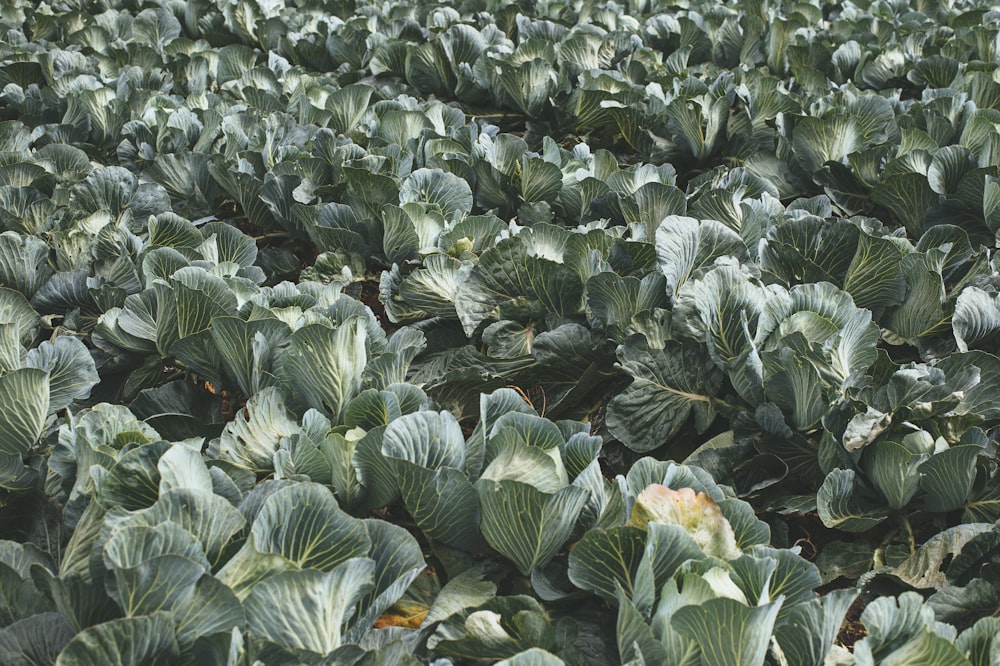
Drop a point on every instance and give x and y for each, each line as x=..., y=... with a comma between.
x=536, y=332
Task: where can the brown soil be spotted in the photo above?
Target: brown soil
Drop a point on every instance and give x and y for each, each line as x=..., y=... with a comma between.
x=852, y=630
x=370, y=297
x=809, y=533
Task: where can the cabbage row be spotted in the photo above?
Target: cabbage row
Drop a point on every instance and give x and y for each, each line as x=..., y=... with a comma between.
x=536, y=333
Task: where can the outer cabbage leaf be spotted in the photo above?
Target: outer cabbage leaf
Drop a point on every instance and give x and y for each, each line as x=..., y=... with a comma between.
x=37, y=639
x=299, y=526
x=721, y=308
x=902, y=631
x=398, y=561
x=15, y=309
x=980, y=642
x=245, y=357
x=23, y=262
x=324, y=365
x=315, y=607
x=533, y=657
x=251, y=439
x=132, y=641
x=526, y=525
x=25, y=392
x=154, y=567
x=427, y=451
x=445, y=192
x=976, y=321
x=616, y=300
x=668, y=385
x=843, y=505
x=606, y=560
x=806, y=632
x=728, y=633
x=820, y=140
x=71, y=368
x=499, y=629
x=507, y=275
x=686, y=248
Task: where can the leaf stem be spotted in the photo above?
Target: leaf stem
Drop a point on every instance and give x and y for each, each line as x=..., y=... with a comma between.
x=496, y=115
x=272, y=234
x=724, y=406
x=911, y=540
x=177, y=374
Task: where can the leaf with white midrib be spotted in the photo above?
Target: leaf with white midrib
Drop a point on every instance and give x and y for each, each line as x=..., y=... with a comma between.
x=525, y=524
x=437, y=189
x=134, y=641
x=893, y=471
x=25, y=395
x=211, y=608
x=23, y=262
x=635, y=637
x=874, y=277
x=234, y=339
x=605, y=559
x=616, y=300
x=200, y=298
x=443, y=503
x=686, y=246
x=540, y=180
x=428, y=439
x=947, y=477
x=981, y=399
x=839, y=507
x=324, y=365
x=926, y=649
x=36, y=640
x=15, y=309
x=724, y=299
x=202, y=513
x=156, y=27
x=908, y=197
x=976, y=321
x=819, y=140
x=314, y=606
x=398, y=561
x=71, y=368
x=304, y=524
x=667, y=386
x=806, y=631
x=922, y=313
x=347, y=105
x=728, y=633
